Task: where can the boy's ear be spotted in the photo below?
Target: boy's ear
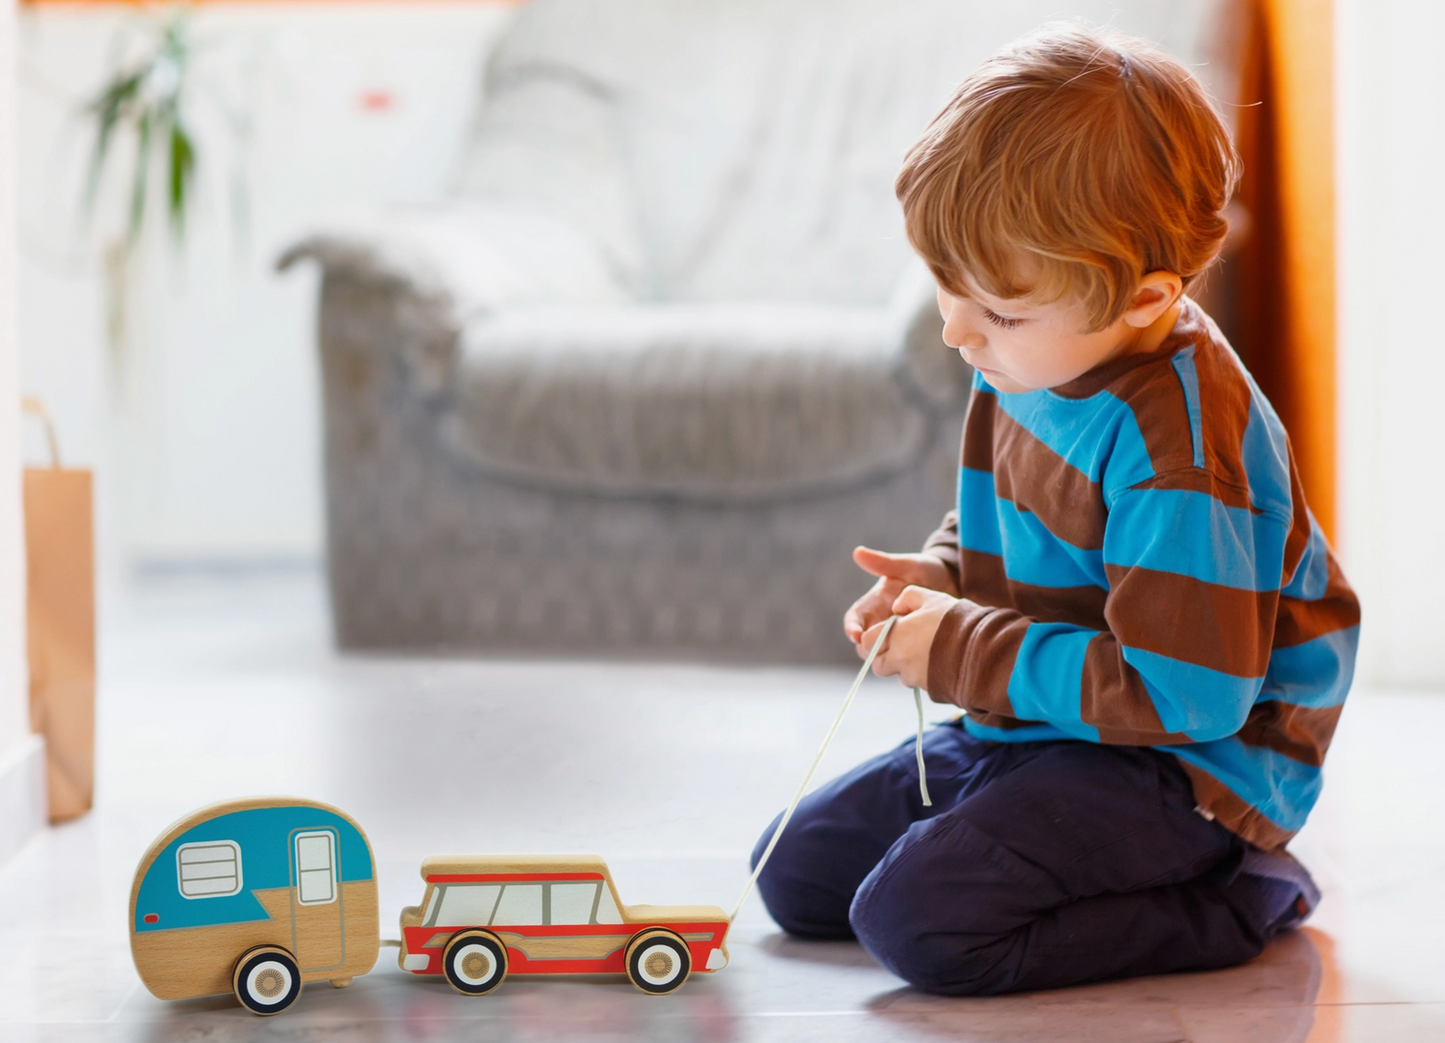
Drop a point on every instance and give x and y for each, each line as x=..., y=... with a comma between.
x=1155, y=295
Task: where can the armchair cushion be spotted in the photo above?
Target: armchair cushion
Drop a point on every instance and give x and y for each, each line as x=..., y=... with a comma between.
x=741, y=403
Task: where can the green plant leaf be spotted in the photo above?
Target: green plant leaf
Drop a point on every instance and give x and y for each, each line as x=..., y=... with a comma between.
x=141, y=178
x=108, y=109
x=182, y=164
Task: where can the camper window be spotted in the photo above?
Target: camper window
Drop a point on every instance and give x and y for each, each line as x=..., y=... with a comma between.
x=209, y=870
x=315, y=868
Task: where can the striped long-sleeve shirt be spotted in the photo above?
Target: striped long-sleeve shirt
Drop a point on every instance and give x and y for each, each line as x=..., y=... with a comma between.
x=1138, y=566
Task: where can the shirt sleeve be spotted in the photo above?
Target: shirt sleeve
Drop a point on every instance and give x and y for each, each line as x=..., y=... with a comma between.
x=943, y=545
x=1193, y=590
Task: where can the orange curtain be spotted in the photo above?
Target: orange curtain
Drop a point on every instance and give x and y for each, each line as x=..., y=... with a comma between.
x=1284, y=278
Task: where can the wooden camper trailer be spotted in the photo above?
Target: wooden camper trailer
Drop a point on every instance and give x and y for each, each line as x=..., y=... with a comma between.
x=255, y=897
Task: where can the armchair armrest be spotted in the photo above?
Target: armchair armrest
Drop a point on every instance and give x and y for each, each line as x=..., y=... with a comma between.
x=443, y=265
x=933, y=373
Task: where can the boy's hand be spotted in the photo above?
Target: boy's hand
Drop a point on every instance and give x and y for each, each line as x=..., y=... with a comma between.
x=905, y=654
x=894, y=572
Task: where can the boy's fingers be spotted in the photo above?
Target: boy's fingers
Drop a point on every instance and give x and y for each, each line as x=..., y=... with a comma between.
x=911, y=599
x=870, y=638
x=889, y=566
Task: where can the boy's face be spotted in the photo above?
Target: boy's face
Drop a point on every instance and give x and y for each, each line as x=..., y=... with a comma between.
x=1019, y=345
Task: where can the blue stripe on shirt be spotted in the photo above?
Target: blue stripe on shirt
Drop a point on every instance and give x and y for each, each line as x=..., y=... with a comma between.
x=1202, y=703
x=1087, y=433
x=1265, y=453
x=1028, y=733
x=978, y=527
x=1032, y=554
x=1315, y=674
x=1193, y=534
x=1048, y=677
x=1312, y=575
x=1281, y=788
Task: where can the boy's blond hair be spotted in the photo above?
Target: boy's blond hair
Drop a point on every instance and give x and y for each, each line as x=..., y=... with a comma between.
x=1071, y=164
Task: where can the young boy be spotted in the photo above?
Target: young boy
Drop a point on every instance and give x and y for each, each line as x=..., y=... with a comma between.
x=1145, y=626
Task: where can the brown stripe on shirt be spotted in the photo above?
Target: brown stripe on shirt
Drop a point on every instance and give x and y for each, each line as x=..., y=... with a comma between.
x=1037, y=479
x=1231, y=811
x=1161, y=411
x=1114, y=701
x=978, y=426
x=943, y=545
x=1301, y=733
x=959, y=673
x=1300, y=621
x=1222, y=628
x=985, y=581
x=1195, y=480
x=1224, y=400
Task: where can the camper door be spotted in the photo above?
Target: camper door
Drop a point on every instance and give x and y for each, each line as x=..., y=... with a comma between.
x=316, y=908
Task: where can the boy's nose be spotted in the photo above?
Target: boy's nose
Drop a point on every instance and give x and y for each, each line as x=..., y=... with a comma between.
x=959, y=336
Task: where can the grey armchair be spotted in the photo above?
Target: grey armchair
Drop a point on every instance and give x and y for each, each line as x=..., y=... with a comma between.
x=663, y=359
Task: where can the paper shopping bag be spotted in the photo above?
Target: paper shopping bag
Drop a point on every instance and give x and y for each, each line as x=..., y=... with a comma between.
x=60, y=614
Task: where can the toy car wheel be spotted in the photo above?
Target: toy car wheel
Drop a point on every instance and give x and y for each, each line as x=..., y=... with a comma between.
x=475, y=961
x=266, y=980
x=657, y=961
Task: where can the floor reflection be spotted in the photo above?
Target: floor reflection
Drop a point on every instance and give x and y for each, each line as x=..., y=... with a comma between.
x=1268, y=1000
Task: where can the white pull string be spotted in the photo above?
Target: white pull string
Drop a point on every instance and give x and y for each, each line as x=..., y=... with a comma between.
x=918, y=749
x=827, y=741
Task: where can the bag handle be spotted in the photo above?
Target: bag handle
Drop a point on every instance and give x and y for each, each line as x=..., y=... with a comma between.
x=32, y=405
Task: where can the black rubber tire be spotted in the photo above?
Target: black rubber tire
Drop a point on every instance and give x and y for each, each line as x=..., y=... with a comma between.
x=266, y=980
x=658, y=961
x=481, y=947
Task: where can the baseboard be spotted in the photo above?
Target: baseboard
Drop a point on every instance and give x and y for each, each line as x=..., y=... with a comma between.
x=22, y=796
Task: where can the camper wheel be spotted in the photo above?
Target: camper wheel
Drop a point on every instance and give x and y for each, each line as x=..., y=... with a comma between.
x=475, y=961
x=266, y=980
x=657, y=961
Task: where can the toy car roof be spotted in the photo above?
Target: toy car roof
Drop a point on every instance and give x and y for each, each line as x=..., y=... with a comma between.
x=520, y=865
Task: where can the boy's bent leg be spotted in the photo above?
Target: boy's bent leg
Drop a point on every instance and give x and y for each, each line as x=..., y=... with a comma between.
x=1086, y=863
x=841, y=830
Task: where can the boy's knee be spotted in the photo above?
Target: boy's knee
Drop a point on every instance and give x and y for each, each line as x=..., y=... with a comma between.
x=896, y=915
x=791, y=888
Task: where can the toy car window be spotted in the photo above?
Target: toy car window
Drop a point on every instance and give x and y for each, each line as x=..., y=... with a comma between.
x=607, y=907
x=209, y=870
x=464, y=905
x=315, y=868
x=521, y=904
x=572, y=903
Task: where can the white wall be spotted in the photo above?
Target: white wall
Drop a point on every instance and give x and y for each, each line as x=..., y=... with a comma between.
x=1392, y=234
x=14, y=714
x=204, y=427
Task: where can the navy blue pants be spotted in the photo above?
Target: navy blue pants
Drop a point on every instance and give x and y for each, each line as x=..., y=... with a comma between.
x=1039, y=865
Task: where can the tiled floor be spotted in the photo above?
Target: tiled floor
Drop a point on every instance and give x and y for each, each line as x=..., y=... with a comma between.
x=213, y=691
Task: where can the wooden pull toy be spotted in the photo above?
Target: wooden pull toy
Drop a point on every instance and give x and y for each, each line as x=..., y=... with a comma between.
x=260, y=896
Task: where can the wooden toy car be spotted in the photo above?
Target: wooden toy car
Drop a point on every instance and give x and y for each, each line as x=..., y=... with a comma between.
x=255, y=897
x=483, y=918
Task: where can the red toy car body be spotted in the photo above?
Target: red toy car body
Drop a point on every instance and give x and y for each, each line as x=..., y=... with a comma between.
x=483, y=918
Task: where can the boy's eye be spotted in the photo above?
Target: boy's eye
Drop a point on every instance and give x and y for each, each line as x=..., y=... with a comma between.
x=998, y=320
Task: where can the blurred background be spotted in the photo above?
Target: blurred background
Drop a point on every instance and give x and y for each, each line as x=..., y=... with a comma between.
x=583, y=268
